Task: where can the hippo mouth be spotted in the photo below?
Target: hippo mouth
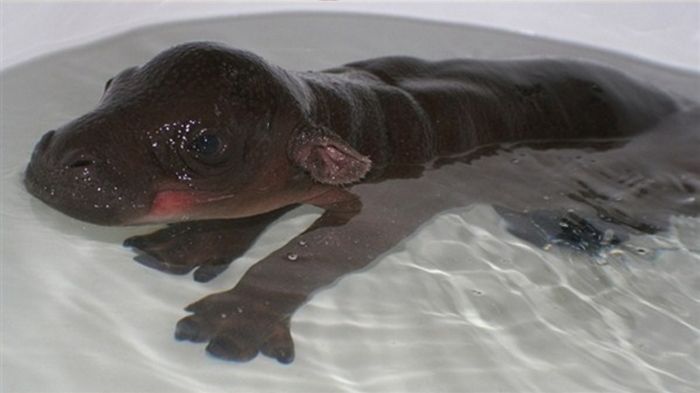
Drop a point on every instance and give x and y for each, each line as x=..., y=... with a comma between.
x=95, y=199
x=102, y=205
x=173, y=205
x=110, y=206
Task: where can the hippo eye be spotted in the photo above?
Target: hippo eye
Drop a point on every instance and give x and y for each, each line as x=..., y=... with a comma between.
x=206, y=145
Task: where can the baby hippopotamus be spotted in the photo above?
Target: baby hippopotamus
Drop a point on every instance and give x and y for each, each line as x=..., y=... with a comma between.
x=218, y=143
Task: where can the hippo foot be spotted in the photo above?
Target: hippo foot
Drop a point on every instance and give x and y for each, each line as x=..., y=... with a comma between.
x=569, y=229
x=583, y=235
x=237, y=330
x=180, y=248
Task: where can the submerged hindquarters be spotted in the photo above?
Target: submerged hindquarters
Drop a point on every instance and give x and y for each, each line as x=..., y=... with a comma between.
x=584, y=197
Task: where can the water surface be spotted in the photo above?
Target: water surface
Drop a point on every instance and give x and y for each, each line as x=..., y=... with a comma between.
x=461, y=305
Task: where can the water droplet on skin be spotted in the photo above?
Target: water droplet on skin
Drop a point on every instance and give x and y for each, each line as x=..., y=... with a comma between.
x=302, y=243
x=292, y=257
x=239, y=310
x=223, y=315
x=515, y=161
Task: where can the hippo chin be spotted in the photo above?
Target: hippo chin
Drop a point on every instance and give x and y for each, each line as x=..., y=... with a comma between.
x=220, y=143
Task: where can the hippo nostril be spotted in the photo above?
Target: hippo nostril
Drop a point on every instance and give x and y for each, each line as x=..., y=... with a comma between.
x=73, y=159
x=80, y=163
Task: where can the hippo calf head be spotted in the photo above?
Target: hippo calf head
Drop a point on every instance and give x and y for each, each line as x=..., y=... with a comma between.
x=200, y=131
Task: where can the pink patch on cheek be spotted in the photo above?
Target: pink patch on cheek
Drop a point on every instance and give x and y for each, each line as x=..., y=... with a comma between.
x=171, y=203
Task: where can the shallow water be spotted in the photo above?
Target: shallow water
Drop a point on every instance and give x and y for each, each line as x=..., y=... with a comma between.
x=461, y=305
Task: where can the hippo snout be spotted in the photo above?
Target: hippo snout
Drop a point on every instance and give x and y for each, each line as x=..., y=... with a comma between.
x=80, y=183
x=65, y=159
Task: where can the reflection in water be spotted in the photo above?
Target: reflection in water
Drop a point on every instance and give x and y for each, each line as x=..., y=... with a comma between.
x=480, y=306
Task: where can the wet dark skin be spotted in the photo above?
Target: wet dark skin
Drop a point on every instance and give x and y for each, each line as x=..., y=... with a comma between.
x=218, y=144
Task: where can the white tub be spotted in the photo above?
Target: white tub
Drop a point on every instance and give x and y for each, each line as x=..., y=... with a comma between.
x=79, y=316
x=664, y=32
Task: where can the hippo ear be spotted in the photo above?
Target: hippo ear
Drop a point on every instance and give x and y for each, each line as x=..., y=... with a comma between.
x=327, y=157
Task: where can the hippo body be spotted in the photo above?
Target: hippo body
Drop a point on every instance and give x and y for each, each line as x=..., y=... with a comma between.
x=219, y=144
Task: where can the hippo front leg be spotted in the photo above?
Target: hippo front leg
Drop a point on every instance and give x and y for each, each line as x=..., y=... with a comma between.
x=210, y=246
x=254, y=316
